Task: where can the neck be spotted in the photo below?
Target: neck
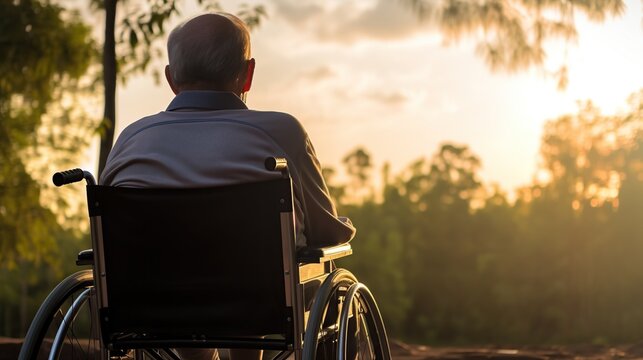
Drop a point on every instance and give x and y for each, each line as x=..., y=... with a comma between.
x=208, y=87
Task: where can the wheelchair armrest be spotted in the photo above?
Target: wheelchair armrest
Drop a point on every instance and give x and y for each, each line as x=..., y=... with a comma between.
x=309, y=255
x=85, y=257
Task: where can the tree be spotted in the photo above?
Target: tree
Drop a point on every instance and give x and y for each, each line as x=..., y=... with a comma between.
x=451, y=263
x=449, y=179
x=358, y=167
x=583, y=155
x=45, y=52
x=337, y=192
x=584, y=230
x=628, y=227
x=512, y=33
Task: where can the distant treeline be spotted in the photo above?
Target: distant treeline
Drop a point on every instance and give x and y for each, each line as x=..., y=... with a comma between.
x=452, y=261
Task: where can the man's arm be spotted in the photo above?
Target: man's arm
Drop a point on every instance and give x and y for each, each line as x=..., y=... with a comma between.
x=322, y=226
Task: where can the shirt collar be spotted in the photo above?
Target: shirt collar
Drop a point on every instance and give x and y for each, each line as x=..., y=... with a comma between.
x=206, y=101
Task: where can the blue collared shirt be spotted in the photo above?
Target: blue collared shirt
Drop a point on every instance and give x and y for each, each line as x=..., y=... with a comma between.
x=208, y=138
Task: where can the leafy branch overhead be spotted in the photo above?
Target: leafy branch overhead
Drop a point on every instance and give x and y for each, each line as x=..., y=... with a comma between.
x=144, y=23
x=511, y=34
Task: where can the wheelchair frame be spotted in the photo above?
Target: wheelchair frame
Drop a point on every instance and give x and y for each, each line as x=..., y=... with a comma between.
x=340, y=301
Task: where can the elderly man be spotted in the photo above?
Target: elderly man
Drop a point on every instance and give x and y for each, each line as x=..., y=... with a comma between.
x=208, y=137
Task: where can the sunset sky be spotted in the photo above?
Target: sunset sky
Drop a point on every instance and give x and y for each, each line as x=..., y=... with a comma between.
x=369, y=73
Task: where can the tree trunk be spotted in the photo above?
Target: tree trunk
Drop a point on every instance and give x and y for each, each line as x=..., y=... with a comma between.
x=109, y=79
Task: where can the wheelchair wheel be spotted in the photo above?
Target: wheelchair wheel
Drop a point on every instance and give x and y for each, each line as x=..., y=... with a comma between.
x=361, y=330
x=65, y=326
x=344, y=322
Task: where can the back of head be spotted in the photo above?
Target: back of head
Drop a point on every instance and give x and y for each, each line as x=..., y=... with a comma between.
x=209, y=52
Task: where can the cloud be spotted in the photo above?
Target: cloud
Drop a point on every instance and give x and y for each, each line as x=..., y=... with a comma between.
x=350, y=22
x=386, y=99
x=319, y=73
x=393, y=98
x=297, y=13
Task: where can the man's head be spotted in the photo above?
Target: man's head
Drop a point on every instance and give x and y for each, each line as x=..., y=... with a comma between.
x=210, y=52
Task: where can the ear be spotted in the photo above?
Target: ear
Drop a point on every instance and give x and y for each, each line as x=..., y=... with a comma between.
x=168, y=77
x=250, y=71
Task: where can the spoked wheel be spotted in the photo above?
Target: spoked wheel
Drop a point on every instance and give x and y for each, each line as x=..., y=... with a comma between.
x=66, y=327
x=361, y=330
x=345, y=322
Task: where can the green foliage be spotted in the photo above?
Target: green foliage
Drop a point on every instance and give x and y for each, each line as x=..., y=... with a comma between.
x=45, y=52
x=452, y=261
x=512, y=34
x=40, y=51
x=358, y=166
x=142, y=24
x=380, y=234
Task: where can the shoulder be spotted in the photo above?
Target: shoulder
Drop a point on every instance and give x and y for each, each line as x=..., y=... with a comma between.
x=275, y=121
x=136, y=127
x=282, y=117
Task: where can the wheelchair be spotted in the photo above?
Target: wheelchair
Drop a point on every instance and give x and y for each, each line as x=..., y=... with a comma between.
x=203, y=268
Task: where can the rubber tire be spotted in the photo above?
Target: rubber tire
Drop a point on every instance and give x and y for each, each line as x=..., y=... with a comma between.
x=318, y=314
x=46, y=312
x=372, y=319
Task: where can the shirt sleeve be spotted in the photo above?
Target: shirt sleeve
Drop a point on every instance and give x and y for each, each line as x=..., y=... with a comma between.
x=322, y=226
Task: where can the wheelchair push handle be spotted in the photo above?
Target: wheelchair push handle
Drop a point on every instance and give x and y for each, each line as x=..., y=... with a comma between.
x=71, y=176
x=276, y=164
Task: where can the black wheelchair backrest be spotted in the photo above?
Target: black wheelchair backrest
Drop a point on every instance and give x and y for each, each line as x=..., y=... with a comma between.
x=212, y=265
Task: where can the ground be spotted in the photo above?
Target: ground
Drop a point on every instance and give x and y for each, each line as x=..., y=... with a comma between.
x=404, y=351
x=9, y=349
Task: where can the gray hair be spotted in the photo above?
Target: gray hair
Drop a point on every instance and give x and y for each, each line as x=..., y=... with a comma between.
x=210, y=49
